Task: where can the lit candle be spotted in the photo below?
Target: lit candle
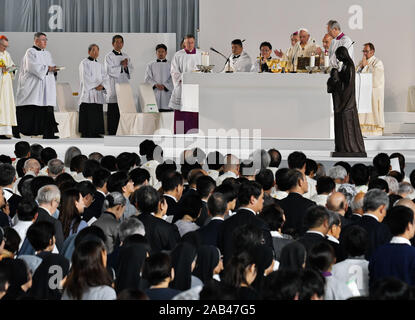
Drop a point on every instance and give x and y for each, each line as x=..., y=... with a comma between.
x=312, y=61
x=326, y=61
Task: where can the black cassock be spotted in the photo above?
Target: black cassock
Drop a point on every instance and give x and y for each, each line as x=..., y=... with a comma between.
x=347, y=133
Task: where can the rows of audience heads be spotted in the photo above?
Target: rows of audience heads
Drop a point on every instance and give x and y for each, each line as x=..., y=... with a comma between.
x=209, y=227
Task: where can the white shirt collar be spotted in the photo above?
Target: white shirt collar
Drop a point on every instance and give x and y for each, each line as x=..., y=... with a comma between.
x=46, y=210
x=217, y=218
x=400, y=240
x=102, y=193
x=333, y=239
x=8, y=194
x=245, y=208
x=205, y=201
x=316, y=232
x=170, y=196
x=276, y=234
x=372, y=215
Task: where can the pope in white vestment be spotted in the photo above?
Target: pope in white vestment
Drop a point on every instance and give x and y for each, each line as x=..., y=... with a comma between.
x=373, y=124
x=158, y=74
x=36, y=92
x=7, y=104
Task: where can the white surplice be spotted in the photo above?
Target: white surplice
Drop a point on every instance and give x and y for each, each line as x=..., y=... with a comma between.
x=341, y=41
x=159, y=73
x=116, y=72
x=241, y=63
x=36, y=86
x=373, y=124
x=182, y=62
x=7, y=104
x=92, y=74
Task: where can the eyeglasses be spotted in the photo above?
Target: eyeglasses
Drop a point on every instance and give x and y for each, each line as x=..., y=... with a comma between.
x=366, y=51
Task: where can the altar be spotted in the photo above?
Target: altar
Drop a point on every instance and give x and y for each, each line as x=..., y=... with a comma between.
x=279, y=105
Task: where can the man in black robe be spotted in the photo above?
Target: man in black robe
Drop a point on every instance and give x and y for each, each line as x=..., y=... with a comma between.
x=347, y=133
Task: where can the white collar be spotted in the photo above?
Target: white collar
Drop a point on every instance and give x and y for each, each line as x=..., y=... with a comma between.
x=372, y=215
x=102, y=193
x=205, y=201
x=332, y=239
x=276, y=234
x=46, y=210
x=356, y=214
x=316, y=232
x=400, y=240
x=170, y=196
x=245, y=208
x=217, y=218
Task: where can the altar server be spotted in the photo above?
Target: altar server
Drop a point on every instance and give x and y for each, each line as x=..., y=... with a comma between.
x=185, y=60
x=94, y=83
x=119, y=69
x=159, y=77
x=289, y=54
x=7, y=105
x=265, y=55
x=339, y=40
x=373, y=124
x=239, y=61
x=36, y=92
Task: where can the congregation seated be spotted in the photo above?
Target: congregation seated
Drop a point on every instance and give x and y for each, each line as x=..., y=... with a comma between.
x=254, y=238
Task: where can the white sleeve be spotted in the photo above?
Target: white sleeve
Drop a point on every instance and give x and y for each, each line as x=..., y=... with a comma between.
x=34, y=67
x=148, y=78
x=87, y=77
x=105, y=79
x=175, y=70
x=113, y=67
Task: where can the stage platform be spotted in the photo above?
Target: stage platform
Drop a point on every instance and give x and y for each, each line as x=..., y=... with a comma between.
x=317, y=149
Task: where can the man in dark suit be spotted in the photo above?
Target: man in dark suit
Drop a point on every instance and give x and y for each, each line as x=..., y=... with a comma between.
x=172, y=186
x=205, y=186
x=160, y=234
x=397, y=258
x=337, y=202
x=375, y=205
x=99, y=180
x=317, y=222
x=5, y=220
x=251, y=199
x=217, y=206
x=7, y=178
x=295, y=206
x=48, y=199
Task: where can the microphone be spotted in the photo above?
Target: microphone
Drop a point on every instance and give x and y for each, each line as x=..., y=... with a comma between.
x=216, y=51
x=351, y=45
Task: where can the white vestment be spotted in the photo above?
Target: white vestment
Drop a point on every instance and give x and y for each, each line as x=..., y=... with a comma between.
x=340, y=41
x=117, y=73
x=182, y=62
x=36, y=86
x=374, y=123
x=242, y=63
x=159, y=73
x=7, y=104
x=92, y=74
x=289, y=56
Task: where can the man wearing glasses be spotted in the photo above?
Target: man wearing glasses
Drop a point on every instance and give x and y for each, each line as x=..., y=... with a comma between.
x=373, y=124
x=36, y=92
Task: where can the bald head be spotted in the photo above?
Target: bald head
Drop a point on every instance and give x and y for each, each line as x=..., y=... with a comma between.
x=327, y=41
x=337, y=202
x=31, y=165
x=406, y=203
x=231, y=163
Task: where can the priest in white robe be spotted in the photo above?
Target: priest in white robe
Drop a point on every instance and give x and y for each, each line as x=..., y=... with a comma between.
x=159, y=77
x=119, y=69
x=185, y=60
x=373, y=124
x=239, y=61
x=339, y=40
x=7, y=104
x=36, y=92
x=94, y=83
x=327, y=39
x=289, y=54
